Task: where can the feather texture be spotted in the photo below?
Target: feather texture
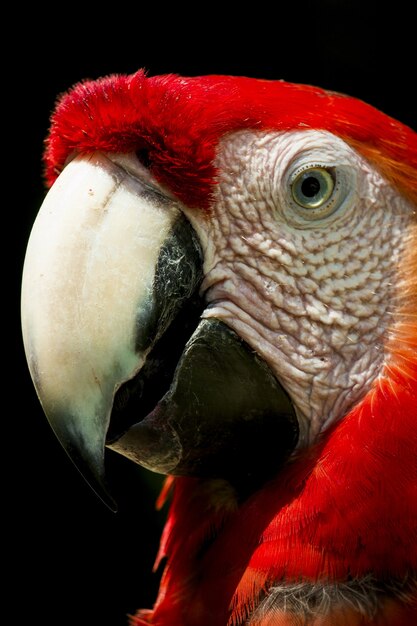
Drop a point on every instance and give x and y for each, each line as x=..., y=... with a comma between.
x=179, y=122
x=338, y=513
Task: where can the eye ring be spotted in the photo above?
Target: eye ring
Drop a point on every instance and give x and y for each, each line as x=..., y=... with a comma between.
x=313, y=187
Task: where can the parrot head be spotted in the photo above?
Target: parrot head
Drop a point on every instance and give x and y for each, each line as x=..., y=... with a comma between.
x=221, y=270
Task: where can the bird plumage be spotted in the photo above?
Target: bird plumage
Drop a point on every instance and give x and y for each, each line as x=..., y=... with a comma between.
x=335, y=514
x=332, y=538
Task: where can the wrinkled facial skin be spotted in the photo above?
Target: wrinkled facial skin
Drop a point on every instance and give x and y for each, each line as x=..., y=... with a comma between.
x=312, y=292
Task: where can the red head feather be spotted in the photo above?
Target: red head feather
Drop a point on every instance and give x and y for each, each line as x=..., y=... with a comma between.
x=179, y=122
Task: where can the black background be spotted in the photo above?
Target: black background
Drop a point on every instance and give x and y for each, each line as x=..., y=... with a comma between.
x=68, y=560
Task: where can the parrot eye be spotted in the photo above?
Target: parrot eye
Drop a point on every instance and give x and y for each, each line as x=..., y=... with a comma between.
x=312, y=188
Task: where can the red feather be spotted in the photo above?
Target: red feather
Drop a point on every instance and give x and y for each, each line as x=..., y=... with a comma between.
x=179, y=121
x=344, y=509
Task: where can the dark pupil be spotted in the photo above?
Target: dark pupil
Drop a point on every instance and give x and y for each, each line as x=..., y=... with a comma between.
x=310, y=187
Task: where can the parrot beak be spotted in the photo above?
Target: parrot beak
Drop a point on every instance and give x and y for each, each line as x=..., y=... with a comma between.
x=116, y=347
x=88, y=312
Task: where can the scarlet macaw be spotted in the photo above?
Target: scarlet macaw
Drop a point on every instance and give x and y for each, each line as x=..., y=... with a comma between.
x=221, y=285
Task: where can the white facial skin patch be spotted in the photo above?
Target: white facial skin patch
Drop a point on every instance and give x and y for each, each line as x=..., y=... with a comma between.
x=301, y=259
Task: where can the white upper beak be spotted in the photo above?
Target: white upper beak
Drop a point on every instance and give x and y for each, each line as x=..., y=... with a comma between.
x=89, y=269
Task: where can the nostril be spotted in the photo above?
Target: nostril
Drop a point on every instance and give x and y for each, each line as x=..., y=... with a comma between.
x=144, y=157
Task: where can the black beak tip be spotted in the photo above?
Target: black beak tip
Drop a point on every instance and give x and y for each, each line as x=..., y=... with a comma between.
x=91, y=469
x=102, y=492
x=98, y=484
